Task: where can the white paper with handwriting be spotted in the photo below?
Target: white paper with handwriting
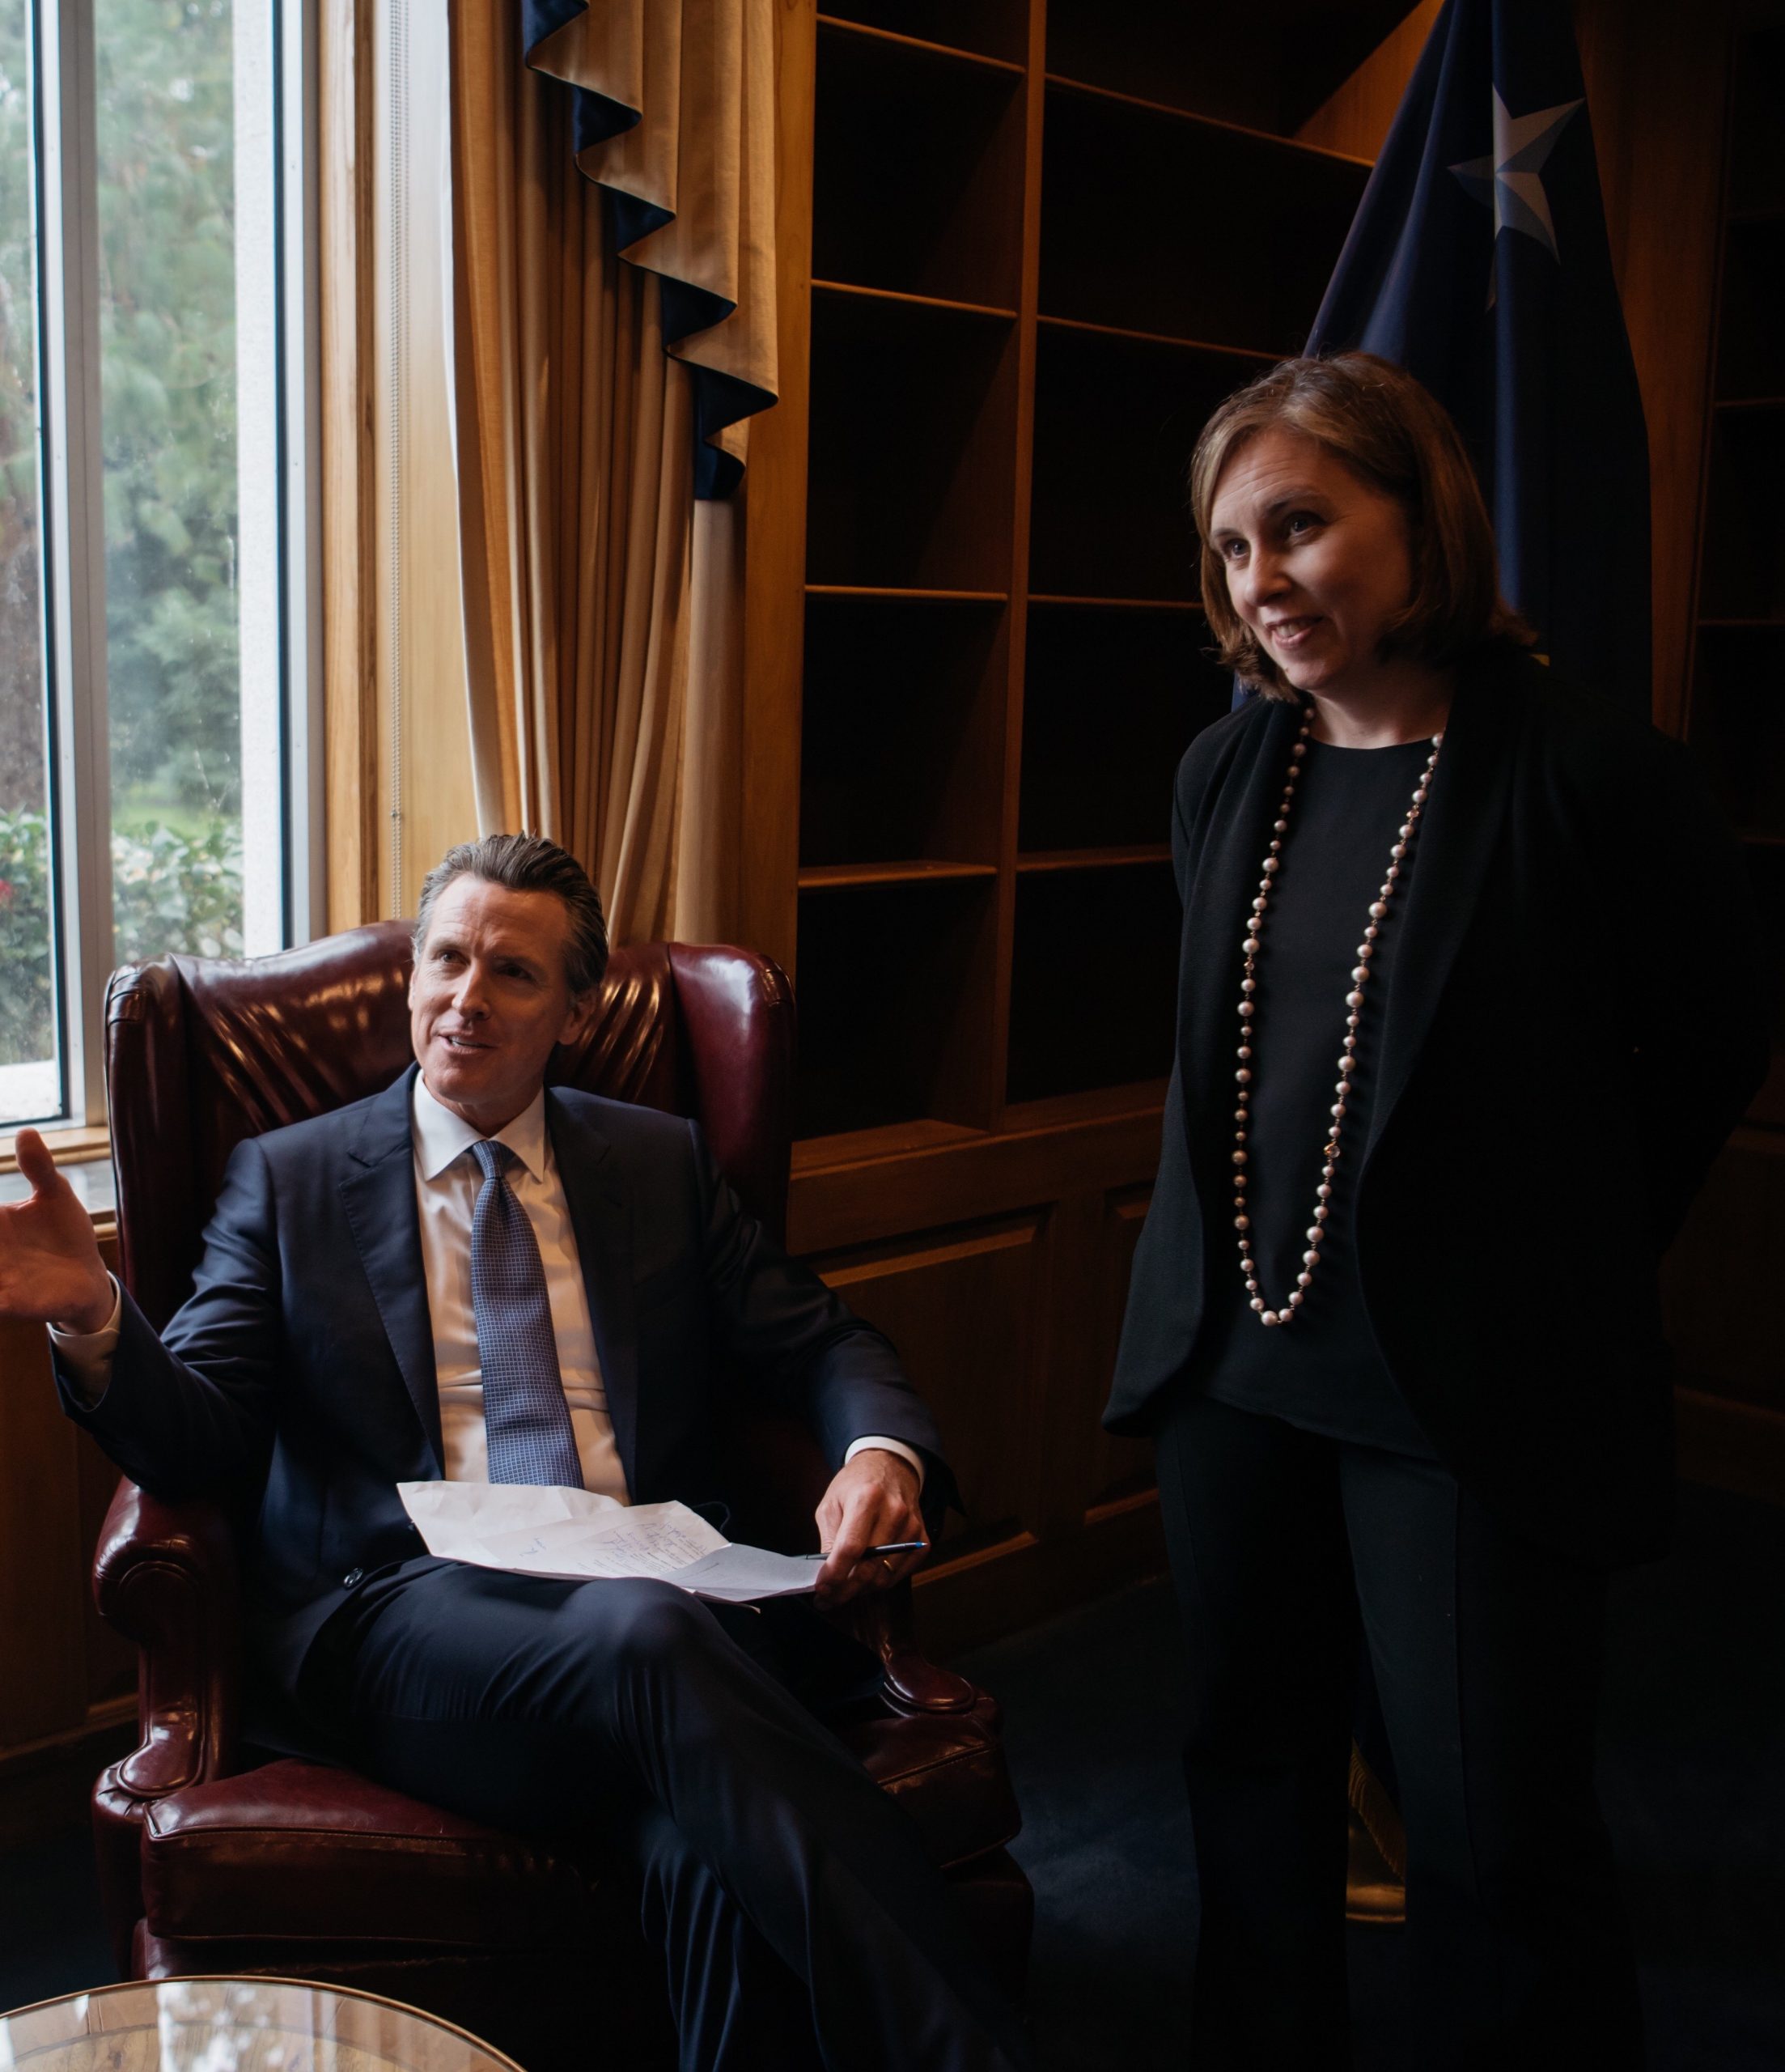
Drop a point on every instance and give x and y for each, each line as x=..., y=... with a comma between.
x=576, y=1535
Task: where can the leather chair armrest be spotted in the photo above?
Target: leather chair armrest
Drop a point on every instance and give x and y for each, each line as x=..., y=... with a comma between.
x=781, y=1477
x=166, y=1575
x=909, y=1682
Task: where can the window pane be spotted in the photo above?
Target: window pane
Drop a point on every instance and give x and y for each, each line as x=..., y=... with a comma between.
x=167, y=301
x=30, y=1074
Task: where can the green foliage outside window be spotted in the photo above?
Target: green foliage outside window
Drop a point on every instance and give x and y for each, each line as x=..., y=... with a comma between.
x=27, y=1004
x=170, y=891
x=168, y=298
x=165, y=110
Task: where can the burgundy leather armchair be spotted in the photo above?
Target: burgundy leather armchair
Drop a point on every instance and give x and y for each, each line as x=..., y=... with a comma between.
x=215, y=1857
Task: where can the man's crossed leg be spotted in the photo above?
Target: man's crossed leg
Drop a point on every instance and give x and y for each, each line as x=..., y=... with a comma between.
x=777, y=1875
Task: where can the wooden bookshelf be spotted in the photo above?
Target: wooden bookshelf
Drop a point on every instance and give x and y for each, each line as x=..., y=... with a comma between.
x=1013, y=289
x=1138, y=229
x=1720, y=1314
x=1269, y=70
x=996, y=31
x=1737, y=718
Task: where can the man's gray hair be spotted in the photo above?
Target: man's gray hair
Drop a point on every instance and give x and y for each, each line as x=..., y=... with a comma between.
x=528, y=863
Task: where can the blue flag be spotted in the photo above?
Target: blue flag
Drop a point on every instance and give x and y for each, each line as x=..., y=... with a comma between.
x=1479, y=261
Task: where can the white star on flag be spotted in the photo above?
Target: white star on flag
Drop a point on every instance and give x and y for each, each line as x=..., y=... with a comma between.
x=1509, y=179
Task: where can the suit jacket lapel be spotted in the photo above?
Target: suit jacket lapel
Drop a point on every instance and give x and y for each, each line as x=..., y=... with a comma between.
x=1458, y=837
x=378, y=1194
x=1225, y=874
x=600, y=1208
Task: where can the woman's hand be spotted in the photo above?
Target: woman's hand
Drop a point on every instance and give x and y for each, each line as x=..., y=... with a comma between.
x=872, y=1500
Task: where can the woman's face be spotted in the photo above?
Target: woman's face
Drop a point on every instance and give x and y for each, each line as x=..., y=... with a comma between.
x=1317, y=561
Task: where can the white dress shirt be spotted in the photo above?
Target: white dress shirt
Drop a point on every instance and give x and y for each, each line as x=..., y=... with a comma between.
x=447, y=1183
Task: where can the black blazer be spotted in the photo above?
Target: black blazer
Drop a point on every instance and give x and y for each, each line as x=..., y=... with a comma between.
x=303, y=1364
x=1574, y=1022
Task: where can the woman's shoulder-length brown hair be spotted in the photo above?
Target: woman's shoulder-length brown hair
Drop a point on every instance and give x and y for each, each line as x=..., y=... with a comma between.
x=1377, y=421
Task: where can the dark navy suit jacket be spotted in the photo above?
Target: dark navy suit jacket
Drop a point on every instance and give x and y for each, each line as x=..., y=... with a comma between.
x=303, y=1365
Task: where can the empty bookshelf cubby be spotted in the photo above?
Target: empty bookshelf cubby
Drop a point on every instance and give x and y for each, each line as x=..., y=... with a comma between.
x=982, y=28
x=1738, y=728
x=1267, y=68
x=1135, y=232
x=911, y=444
x=1757, y=164
x=902, y=731
x=893, y=1006
x=1093, y=984
x=1115, y=420
x=1751, y=338
x=918, y=169
x=1742, y=574
x=1113, y=698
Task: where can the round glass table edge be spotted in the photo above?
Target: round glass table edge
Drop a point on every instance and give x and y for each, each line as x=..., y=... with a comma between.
x=479, y=2056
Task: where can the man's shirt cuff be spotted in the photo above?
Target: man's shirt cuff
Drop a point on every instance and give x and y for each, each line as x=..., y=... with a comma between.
x=887, y=1446
x=87, y=1356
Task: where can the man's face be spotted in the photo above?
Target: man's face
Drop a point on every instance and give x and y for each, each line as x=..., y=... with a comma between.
x=489, y=999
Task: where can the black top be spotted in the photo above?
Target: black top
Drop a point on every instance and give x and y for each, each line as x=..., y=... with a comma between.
x=1323, y=1371
x=1553, y=1087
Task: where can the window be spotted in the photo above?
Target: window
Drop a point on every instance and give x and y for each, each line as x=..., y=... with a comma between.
x=157, y=657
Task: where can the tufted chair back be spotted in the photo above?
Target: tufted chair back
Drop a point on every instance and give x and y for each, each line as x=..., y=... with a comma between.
x=201, y=1053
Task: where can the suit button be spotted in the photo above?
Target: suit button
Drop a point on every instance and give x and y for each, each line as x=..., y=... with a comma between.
x=353, y=1576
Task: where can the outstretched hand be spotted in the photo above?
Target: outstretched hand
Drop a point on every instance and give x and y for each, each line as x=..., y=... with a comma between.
x=872, y=1500
x=50, y=1268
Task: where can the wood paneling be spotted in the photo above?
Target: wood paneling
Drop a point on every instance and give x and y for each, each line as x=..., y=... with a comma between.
x=1015, y=1582
x=1356, y=118
x=851, y=1190
x=42, y=1617
x=67, y=1684
x=1656, y=78
x=961, y=1311
x=993, y=1322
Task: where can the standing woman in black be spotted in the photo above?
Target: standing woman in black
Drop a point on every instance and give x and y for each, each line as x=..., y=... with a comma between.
x=1468, y=998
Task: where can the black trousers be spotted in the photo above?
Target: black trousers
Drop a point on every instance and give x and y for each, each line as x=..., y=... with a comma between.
x=802, y=1919
x=1486, y=1653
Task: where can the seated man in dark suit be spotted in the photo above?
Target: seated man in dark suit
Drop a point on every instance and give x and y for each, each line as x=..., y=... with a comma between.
x=470, y=1277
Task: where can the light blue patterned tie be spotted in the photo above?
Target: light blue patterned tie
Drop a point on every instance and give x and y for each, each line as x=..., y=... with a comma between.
x=526, y=1420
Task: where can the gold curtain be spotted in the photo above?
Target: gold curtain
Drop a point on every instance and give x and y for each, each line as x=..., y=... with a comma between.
x=602, y=603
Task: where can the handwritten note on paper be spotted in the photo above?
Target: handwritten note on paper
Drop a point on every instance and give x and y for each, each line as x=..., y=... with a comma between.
x=575, y=1536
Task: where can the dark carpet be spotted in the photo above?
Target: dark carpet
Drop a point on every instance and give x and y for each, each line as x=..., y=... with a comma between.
x=1693, y=1771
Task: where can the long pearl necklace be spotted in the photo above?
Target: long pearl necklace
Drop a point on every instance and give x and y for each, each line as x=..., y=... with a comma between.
x=1399, y=857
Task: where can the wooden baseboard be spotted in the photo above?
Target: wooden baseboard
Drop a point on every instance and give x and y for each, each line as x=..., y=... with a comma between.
x=1727, y=1445
x=1020, y=1581
x=45, y=1785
